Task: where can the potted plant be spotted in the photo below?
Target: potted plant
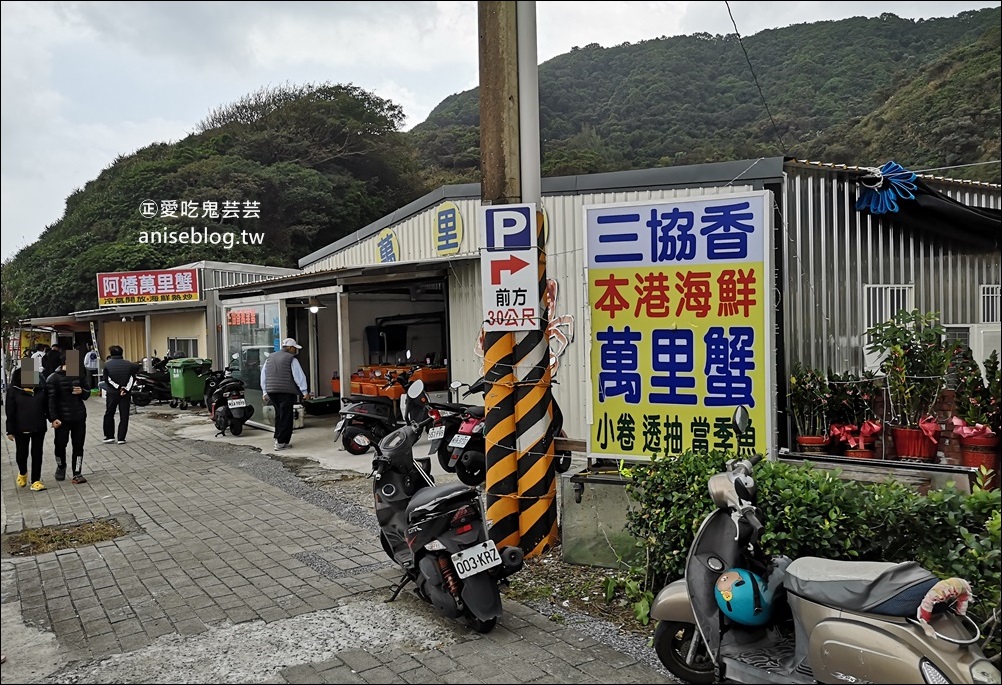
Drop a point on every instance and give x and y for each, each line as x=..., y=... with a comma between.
x=850, y=408
x=977, y=420
x=808, y=404
x=915, y=364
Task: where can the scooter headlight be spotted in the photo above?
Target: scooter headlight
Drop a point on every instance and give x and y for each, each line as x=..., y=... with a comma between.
x=984, y=672
x=931, y=674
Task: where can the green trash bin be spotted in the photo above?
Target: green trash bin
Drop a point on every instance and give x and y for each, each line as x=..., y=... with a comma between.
x=187, y=380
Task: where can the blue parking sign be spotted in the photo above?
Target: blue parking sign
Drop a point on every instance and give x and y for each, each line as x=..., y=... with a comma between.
x=509, y=227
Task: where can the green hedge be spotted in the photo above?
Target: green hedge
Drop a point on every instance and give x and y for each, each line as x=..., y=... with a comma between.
x=812, y=512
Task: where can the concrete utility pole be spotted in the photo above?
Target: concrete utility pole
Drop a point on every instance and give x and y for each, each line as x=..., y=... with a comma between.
x=521, y=483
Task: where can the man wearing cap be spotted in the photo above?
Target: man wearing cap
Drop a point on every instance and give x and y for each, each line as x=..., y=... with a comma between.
x=283, y=381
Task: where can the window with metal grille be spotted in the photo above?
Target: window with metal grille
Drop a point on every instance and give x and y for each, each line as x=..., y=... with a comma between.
x=183, y=347
x=881, y=303
x=990, y=296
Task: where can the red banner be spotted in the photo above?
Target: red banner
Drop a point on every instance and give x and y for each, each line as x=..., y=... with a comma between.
x=140, y=287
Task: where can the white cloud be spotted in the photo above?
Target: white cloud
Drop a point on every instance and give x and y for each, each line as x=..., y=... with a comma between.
x=86, y=82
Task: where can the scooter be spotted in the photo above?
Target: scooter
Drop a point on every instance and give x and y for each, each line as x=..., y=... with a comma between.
x=740, y=617
x=153, y=385
x=450, y=417
x=468, y=447
x=437, y=533
x=374, y=416
x=228, y=403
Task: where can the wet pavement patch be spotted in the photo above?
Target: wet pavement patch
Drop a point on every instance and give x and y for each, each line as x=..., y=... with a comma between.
x=33, y=541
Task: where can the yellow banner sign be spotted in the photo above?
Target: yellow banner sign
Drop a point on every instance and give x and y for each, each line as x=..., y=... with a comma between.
x=680, y=332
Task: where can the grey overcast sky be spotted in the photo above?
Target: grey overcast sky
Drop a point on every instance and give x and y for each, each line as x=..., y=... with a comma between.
x=85, y=82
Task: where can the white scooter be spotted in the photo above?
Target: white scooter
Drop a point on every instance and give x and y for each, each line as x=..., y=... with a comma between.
x=740, y=617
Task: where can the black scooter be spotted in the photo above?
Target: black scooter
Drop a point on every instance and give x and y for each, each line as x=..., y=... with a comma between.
x=375, y=416
x=449, y=418
x=153, y=385
x=465, y=453
x=227, y=402
x=437, y=533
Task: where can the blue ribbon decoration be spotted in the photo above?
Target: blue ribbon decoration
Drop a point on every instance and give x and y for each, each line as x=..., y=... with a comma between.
x=893, y=182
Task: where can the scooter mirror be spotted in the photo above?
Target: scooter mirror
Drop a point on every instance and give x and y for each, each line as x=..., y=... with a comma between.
x=456, y=385
x=740, y=420
x=361, y=439
x=415, y=389
x=408, y=355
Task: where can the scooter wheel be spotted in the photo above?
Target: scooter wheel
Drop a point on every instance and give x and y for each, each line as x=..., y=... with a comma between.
x=348, y=440
x=141, y=399
x=562, y=464
x=236, y=427
x=671, y=642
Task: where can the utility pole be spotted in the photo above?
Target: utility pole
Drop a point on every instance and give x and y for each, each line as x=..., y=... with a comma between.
x=521, y=482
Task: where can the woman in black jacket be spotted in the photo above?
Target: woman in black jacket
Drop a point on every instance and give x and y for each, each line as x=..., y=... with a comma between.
x=27, y=410
x=68, y=415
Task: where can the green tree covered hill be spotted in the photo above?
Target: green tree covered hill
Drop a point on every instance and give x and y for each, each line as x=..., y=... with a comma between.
x=693, y=99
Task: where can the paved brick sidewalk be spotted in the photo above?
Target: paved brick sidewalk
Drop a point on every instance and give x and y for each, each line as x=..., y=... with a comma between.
x=234, y=571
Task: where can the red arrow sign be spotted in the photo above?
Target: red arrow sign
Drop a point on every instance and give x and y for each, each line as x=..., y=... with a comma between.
x=513, y=265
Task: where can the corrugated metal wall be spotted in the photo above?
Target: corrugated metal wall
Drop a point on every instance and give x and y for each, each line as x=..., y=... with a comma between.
x=831, y=252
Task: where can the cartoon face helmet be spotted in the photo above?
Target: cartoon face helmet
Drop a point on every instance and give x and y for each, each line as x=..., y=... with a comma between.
x=743, y=597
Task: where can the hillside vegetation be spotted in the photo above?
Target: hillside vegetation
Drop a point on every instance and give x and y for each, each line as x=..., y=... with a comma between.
x=325, y=160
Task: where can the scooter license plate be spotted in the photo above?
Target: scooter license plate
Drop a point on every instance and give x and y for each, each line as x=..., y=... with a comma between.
x=436, y=433
x=476, y=559
x=236, y=403
x=459, y=440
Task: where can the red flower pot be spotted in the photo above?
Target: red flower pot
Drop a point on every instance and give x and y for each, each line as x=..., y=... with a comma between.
x=813, y=444
x=911, y=444
x=981, y=450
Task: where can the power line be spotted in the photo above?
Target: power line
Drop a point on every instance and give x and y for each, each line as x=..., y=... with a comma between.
x=956, y=166
x=782, y=143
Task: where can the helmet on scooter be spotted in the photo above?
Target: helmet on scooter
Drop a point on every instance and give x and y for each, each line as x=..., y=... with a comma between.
x=743, y=597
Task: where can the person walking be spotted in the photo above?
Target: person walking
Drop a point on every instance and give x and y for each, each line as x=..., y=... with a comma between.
x=90, y=363
x=283, y=381
x=68, y=415
x=27, y=409
x=119, y=377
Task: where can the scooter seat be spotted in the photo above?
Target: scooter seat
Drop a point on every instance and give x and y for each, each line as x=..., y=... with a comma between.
x=476, y=412
x=436, y=493
x=449, y=406
x=378, y=399
x=865, y=586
